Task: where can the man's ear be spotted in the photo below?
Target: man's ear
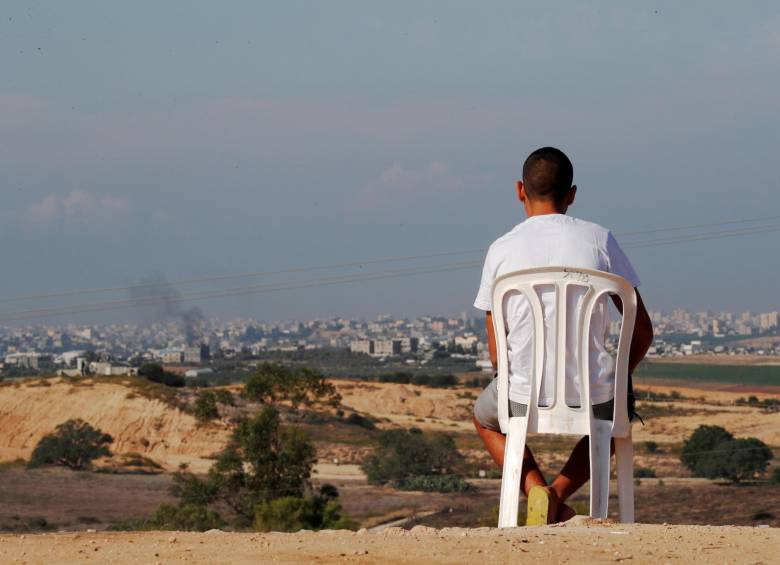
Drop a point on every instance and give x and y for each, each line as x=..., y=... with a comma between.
x=571, y=195
x=521, y=195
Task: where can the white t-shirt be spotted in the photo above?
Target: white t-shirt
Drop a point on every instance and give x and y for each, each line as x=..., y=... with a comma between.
x=546, y=240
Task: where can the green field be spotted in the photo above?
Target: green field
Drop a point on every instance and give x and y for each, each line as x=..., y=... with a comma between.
x=720, y=374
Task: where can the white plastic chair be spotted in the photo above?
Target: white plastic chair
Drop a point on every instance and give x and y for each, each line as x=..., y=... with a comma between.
x=558, y=418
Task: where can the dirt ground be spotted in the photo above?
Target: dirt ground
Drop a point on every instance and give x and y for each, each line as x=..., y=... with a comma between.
x=583, y=541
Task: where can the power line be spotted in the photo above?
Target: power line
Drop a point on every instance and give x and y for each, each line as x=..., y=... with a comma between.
x=174, y=298
x=344, y=265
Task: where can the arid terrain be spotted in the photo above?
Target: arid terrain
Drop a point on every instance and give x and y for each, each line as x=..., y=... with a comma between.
x=52, y=500
x=578, y=542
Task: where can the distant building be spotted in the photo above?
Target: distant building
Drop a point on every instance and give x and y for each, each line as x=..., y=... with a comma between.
x=109, y=370
x=171, y=355
x=196, y=354
x=194, y=373
x=768, y=320
x=409, y=344
x=387, y=347
x=362, y=346
x=23, y=360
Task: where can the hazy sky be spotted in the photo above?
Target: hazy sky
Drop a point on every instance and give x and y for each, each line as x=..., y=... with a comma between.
x=201, y=138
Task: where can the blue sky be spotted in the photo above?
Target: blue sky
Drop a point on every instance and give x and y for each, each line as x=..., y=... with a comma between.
x=200, y=138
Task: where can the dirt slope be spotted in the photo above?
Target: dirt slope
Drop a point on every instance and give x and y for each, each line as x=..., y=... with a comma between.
x=576, y=543
x=30, y=410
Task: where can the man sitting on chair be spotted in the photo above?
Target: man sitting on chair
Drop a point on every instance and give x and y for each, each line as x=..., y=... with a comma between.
x=548, y=237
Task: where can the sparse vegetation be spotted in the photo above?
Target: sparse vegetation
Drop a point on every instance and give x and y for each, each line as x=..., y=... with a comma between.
x=74, y=444
x=651, y=446
x=356, y=419
x=644, y=473
x=206, y=406
x=434, y=483
x=262, y=476
x=290, y=513
x=273, y=382
x=184, y=517
x=713, y=452
x=155, y=373
x=408, y=457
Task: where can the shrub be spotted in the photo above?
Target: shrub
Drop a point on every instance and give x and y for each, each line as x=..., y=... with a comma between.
x=74, y=444
x=225, y=397
x=155, y=373
x=644, y=473
x=651, y=446
x=301, y=386
x=434, y=483
x=406, y=453
x=712, y=452
x=185, y=517
x=290, y=514
x=774, y=476
x=356, y=419
x=206, y=406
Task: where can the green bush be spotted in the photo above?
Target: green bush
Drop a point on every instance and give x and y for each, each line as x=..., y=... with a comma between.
x=74, y=444
x=206, y=406
x=774, y=476
x=651, y=446
x=712, y=452
x=406, y=453
x=225, y=397
x=185, y=517
x=155, y=373
x=290, y=514
x=300, y=386
x=434, y=483
x=644, y=473
x=356, y=419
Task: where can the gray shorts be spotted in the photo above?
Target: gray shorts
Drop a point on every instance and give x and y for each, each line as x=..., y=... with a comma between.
x=486, y=408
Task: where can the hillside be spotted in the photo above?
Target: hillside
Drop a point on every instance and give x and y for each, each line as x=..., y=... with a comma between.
x=136, y=420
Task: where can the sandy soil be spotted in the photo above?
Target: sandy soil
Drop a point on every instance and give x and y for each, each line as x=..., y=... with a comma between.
x=574, y=543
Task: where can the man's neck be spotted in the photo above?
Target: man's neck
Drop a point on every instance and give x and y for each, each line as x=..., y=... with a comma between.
x=542, y=209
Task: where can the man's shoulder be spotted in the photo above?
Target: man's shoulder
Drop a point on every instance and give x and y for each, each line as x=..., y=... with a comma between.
x=525, y=229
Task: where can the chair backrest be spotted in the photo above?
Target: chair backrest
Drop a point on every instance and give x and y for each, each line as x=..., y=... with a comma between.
x=558, y=417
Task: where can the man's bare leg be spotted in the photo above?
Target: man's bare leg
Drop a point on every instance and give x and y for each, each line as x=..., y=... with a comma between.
x=531, y=475
x=575, y=473
x=495, y=443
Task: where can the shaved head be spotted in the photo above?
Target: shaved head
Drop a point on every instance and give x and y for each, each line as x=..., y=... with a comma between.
x=547, y=174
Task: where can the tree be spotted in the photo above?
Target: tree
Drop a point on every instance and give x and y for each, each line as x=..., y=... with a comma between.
x=74, y=444
x=157, y=374
x=713, y=452
x=273, y=382
x=262, y=461
x=406, y=453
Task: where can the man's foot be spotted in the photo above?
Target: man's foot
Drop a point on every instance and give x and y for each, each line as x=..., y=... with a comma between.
x=565, y=513
x=542, y=506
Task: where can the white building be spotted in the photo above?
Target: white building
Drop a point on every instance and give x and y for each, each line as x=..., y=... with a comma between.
x=362, y=346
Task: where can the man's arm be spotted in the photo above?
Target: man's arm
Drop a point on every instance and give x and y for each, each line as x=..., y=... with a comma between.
x=642, y=338
x=491, y=340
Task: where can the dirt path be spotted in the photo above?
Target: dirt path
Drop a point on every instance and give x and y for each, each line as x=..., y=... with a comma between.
x=577, y=543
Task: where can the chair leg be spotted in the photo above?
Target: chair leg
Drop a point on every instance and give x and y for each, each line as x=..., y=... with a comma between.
x=512, y=473
x=599, y=468
x=624, y=460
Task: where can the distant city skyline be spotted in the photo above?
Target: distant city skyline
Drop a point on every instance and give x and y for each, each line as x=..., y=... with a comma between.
x=189, y=139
